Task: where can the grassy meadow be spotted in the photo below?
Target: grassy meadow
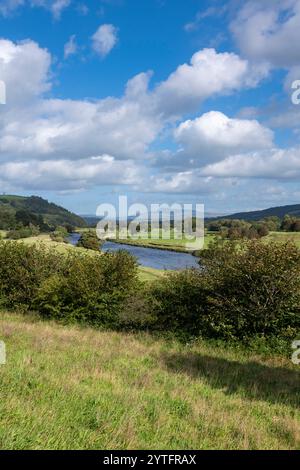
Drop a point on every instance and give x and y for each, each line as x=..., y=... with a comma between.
x=284, y=237
x=74, y=387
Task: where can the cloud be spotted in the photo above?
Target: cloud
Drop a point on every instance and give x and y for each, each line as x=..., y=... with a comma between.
x=105, y=39
x=56, y=7
x=274, y=164
x=203, y=14
x=7, y=7
x=69, y=175
x=70, y=47
x=208, y=74
x=51, y=143
x=268, y=31
x=35, y=127
x=187, y=182
x=213, y=136
x=24, y=67
x=82, y=9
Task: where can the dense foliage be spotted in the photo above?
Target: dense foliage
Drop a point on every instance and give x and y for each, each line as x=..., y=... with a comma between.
x=89, y=240
x=240, y=229
x=23, y=268
x=59, y=235
x=75, y=286
x=290, y=224
x=23, y=232
x=242, y=290
x=16, y=210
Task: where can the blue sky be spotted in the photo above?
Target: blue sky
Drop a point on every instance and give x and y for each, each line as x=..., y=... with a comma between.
x=162, y=100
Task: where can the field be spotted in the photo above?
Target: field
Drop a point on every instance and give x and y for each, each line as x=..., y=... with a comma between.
x=284, y=237
x=73, y=387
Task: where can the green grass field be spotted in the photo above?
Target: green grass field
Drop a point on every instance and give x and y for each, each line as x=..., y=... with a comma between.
x=74, y=387
x=284, y=237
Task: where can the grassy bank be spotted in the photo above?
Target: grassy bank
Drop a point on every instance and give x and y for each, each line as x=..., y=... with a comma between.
x=172, y=244
x=71, y=387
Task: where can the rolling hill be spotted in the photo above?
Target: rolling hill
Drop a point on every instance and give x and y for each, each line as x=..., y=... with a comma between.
x=52, y=214
x=280, y=211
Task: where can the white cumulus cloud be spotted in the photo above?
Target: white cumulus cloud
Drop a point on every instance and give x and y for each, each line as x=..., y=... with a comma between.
x=275, y=164
x=213, y=136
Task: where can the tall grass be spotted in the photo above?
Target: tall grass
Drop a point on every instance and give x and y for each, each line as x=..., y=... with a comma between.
x=75, y=387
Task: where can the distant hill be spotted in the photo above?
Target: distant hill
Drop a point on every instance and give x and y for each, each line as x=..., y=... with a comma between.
x=280, y=211
x=52, y=214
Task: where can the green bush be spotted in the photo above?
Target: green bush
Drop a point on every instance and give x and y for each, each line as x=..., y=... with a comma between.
x=23, y=232
x=89, y=240
x=180, y=301
x=22, y=270
x=90, y=289
x=70, y=287
x=59, y=235
x=242, y=290
x=255, y=288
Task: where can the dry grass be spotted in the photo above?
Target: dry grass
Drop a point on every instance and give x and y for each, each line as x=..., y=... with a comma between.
x=74, y=387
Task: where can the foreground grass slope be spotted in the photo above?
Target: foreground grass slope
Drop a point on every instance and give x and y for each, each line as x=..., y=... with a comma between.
x=72, y=387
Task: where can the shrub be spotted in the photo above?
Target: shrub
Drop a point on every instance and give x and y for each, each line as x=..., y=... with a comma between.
x=139, y=310
x=180, y=300
x=72, y=287
x=59, y=235
x=22, y=270
x=255, y=288
x=90, y=289
x=23, y=232
x=245, y=289
x=89, y=240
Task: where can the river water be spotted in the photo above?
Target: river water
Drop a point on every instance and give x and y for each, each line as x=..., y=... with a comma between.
x=150, y=257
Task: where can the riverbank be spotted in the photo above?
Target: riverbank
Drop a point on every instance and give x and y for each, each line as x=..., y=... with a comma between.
x=155, y=244
x=172, y=244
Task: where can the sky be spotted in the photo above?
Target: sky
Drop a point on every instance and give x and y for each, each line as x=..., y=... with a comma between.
x=160, y=100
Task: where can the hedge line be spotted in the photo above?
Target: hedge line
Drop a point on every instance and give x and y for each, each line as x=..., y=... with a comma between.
x=240, y=291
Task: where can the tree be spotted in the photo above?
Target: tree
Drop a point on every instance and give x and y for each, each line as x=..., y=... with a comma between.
x=59, y=235
x=89, y=240
x=287, y=223
x=273, y=223
x=7, y=217
x=262, y=230
x=296, y=226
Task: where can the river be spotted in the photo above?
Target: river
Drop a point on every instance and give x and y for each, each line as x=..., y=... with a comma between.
x=150, y=257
